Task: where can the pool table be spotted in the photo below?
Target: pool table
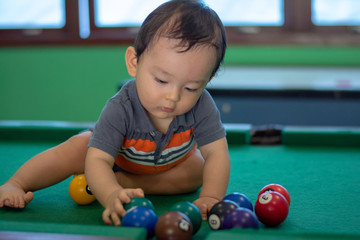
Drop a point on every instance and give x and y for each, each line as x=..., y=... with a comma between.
x=319, y=166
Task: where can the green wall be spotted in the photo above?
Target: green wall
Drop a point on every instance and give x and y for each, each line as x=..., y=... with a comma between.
x=58, y=83
x=72, y=83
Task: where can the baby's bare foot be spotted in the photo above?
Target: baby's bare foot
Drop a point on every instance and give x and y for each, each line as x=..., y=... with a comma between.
x=14, y=196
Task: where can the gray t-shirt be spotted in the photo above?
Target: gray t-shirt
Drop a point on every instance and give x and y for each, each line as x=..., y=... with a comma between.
x=124, y=130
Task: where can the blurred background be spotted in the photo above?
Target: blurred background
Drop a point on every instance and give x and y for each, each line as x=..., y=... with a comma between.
x=290, y=62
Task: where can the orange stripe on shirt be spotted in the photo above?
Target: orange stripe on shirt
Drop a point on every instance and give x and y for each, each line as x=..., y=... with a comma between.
x=135, y=168
x=180, y=138
x=150, y=146
x=140, y=145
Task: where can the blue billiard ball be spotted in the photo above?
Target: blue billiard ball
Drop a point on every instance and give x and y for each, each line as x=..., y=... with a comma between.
x=240, y=218
x=241, y=199
x=141, y=217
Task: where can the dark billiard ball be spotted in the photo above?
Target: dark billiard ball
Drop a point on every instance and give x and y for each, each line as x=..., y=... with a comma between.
x=241, y=218
x=218, y=212
x=138, y=201
x=79, y=190
x=173, y=225
x=276, y=188
x=241, y=199
x=191, y=211
x=141, y=217
x=271, y=208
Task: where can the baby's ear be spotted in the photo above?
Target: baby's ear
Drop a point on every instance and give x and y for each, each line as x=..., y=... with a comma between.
x=131, y=61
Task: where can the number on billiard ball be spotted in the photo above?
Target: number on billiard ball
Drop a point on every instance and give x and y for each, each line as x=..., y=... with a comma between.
x=173, y=225
x=218, y=212
x=276, y=188
x=191, y=211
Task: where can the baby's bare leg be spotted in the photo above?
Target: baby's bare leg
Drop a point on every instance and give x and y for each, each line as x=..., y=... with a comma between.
x=183, y=178
x=45, y=169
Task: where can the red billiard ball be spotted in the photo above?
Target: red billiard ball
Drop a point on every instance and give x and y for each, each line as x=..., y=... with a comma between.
x=271, y=208
x=79, y=190
x=276, y=188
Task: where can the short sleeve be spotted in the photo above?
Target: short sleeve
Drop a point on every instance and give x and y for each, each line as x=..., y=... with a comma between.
x=208, y=126
x=110, y=129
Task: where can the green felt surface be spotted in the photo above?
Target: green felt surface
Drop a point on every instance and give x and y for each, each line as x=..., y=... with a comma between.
x=323, y=182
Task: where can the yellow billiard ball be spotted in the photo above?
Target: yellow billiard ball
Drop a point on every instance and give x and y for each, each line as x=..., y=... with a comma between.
x=79, y=191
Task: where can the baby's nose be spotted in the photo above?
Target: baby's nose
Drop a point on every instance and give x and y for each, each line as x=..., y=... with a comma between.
x=173, y=95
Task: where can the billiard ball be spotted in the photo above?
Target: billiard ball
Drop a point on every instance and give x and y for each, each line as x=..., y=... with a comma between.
x=141, y=217
x=191, y=211
x=138, y=201
x=218, y=212
x=241, y=199
x=276, y=188
x=241, y=218
x=173, y=225
x=79, y=190
x=271, y=208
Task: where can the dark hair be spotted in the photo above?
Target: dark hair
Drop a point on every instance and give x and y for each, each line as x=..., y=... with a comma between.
x=190, y=21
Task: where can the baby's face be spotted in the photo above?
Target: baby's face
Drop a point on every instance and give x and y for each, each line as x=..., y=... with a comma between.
x=169, y=82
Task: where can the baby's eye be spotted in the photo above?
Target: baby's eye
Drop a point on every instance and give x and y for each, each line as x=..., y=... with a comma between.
x=191, y=89
x=160, y=81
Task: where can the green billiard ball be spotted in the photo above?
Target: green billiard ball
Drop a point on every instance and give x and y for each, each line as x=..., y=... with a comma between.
x=138, y=201
x=191, y=211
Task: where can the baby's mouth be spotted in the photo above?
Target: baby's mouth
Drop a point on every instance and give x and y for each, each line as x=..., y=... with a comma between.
x=168, y=110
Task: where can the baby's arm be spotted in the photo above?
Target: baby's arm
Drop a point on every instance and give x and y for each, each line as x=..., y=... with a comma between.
x=103, y=184
x=216, y=175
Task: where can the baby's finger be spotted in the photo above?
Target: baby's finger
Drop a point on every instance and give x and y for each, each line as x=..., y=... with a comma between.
x=203, y=211
x=210, y=206
x=119, y=208
x=137, y=192
x=123, y=197
x=106, y=217
x=115, y=219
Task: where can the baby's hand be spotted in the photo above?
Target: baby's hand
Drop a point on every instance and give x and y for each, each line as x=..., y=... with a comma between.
x=205, y=204
x=114, y=204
